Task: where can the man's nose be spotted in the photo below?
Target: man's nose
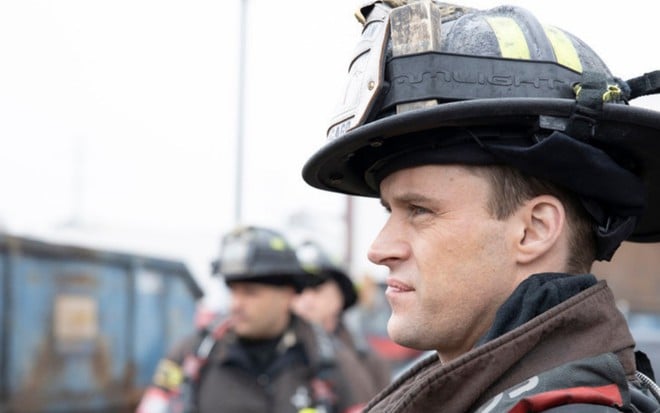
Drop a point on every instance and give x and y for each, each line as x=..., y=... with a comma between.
x=389, y=245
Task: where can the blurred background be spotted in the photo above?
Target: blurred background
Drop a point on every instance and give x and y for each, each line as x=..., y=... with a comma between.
x=135, y=133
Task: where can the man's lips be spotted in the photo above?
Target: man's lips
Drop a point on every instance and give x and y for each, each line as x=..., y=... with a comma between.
x=397, y=286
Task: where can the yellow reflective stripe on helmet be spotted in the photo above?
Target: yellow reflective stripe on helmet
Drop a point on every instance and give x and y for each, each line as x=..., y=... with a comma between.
x=564, y=49
x=277, y=244
x=510, y=37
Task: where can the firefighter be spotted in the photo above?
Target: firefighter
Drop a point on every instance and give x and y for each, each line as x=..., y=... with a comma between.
x=326, y=300
x=261, y=358
x=508, y=159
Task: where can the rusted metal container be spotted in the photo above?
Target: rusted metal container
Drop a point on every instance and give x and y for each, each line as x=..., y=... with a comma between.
x=83, y=329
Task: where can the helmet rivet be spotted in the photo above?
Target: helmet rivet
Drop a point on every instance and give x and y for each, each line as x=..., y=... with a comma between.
x=376, y=143
x=336, y=179
x=371, y=85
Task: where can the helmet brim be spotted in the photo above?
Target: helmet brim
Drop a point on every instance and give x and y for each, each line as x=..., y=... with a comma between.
x=342, y=164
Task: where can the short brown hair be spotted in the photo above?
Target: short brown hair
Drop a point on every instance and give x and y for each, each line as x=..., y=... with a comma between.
x=511, y=188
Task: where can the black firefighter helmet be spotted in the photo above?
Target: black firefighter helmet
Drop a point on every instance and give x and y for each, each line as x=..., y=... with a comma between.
x=434, y=82
x=321, y=268
x=261, y=255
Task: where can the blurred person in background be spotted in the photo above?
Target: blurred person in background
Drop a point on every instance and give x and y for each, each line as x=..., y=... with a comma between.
x=261, y=357
x=325, y=302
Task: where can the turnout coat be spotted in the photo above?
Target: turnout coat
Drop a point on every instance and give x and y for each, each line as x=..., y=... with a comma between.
x=306, y=371
x=575, y=352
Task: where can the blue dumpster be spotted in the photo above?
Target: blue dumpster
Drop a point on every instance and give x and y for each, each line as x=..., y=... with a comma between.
x=83, y=329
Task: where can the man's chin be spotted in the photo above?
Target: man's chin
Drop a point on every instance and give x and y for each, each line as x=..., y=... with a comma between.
x=243, y=331
x=400, y=335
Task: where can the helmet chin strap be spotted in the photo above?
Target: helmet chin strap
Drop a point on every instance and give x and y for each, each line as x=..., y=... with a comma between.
x=610, y=231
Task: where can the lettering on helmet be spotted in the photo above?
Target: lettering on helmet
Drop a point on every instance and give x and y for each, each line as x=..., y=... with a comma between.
x=505, y=80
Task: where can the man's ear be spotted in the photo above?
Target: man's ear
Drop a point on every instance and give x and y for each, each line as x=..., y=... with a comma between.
x=543, y=220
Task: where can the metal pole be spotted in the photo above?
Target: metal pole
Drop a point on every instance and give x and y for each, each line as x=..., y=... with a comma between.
x=238, y=198
x=349, y=233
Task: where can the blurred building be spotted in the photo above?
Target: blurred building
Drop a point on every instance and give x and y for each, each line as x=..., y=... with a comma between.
x=634, y=276
x=82, y=329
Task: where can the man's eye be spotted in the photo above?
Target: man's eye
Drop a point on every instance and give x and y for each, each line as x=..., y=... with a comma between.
x=417, y=210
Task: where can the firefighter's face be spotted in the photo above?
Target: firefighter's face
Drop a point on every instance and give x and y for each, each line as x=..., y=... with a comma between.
x=450, y=261
x=259, y=310
x=322, y=304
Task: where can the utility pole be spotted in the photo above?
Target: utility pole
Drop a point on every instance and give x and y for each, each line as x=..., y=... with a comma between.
x=238, y=197
x=77, y=183
x=348, y=254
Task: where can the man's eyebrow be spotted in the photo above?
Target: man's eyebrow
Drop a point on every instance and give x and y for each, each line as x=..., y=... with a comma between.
x=406, y=198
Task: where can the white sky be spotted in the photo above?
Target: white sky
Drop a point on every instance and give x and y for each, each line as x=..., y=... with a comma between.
x=121, y=116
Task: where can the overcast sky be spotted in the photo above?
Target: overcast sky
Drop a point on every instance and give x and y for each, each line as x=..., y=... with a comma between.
x=118, y=119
